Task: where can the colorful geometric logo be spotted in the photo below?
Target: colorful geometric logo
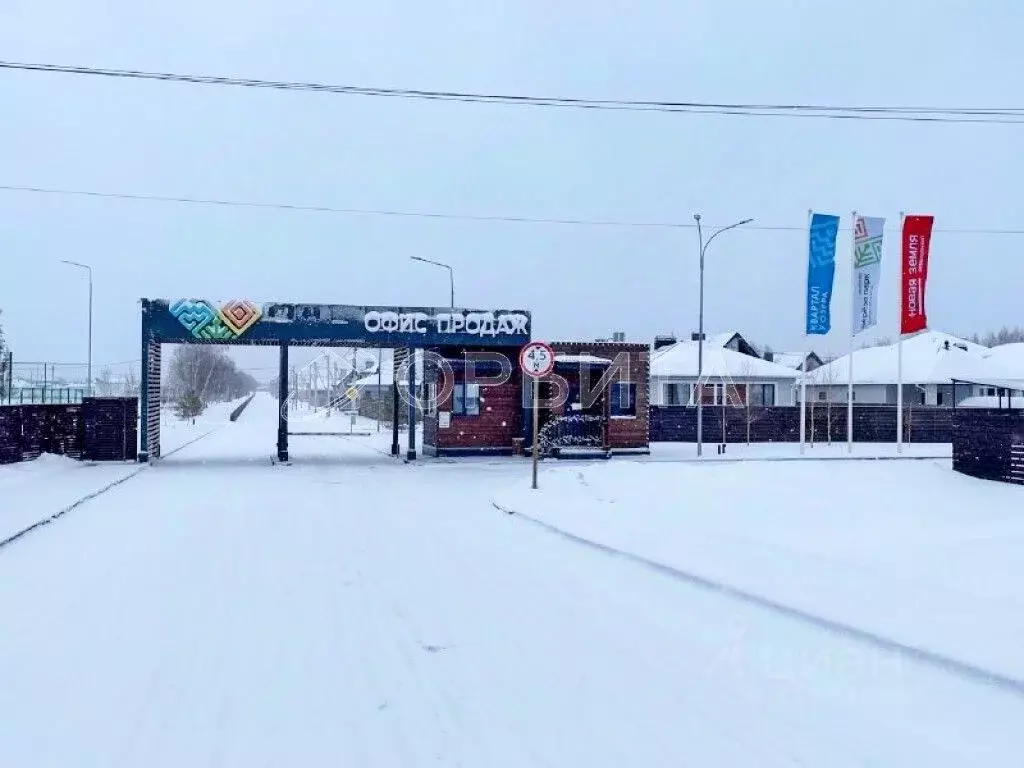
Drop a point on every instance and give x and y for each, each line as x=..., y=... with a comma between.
x=206, y=323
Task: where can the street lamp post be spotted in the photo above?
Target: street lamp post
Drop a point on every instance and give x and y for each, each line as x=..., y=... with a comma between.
x=451, y=274
x=703, y=246
x=88, y=269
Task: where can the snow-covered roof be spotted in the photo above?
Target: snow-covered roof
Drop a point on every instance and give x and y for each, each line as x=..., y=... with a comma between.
x=582, y=359
x=998, y=366
x=680, y=361
x=931, y=357
x=792, y=360
x=721, y=339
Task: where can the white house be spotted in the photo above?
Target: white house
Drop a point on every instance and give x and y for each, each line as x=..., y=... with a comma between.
x=931, y=360
x=999, y=371
x=727, y=373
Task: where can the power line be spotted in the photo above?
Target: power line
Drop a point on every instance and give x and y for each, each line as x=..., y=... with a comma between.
x=1003, y=115
x=493, y=218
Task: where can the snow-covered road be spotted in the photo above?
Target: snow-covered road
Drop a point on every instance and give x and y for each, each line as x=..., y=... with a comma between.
x=218, y=611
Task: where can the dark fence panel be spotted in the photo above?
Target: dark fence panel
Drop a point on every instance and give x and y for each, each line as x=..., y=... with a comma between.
x=98, y=428
x=988, y=442
x=781, y=424
x=111, y=428
x=10, y=434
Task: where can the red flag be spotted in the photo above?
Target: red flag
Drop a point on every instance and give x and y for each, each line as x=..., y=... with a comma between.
x=917, y=236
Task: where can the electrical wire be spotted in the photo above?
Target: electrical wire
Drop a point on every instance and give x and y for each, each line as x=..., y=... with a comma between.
x=495, y=218
x=976, y=115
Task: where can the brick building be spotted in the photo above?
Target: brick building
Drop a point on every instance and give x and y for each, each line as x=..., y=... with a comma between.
x=595, y=400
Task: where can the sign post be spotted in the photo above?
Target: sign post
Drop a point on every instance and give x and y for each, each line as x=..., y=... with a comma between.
x=536, y=360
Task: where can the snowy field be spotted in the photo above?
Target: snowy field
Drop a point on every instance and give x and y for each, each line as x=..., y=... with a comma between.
x=350, y=609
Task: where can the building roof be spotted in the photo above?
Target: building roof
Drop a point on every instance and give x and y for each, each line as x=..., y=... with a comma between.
x=583, y=359
x=931, y=357
x=680, y=361
x=721, y=339
x=792, y=360
x=1001, y=366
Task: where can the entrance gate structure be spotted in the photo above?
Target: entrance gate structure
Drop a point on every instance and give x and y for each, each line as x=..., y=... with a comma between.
x=280, y=324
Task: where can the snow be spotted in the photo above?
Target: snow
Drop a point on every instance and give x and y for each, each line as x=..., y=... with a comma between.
x=35, y=490
x=351, y=609
x=582, y=359
x=789, y=359
x=992, y=401
x=906, y=550
x=1001, y=366
x=926, y=360
x=680, y=360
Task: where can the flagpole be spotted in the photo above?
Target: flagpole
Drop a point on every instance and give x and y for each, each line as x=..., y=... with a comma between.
x=853, y=330
x=803, y=377
x=899, y=353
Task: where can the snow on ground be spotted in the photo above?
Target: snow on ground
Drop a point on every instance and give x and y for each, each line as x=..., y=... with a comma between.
x=907, y=550
x=34, y=490
x=351, y=609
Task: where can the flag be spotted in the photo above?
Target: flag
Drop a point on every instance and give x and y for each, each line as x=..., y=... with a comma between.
x=867, y=268
x=917, y=236
x=821, y=270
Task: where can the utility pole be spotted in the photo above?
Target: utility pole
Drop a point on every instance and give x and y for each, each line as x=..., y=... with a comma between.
x=703, y=246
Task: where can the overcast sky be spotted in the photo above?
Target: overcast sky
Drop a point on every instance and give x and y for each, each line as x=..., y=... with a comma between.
x=580, y=282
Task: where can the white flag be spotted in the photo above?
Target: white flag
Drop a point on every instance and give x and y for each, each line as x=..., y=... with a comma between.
x=867, y=270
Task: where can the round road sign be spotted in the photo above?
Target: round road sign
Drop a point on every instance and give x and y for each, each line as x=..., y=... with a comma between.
x=537, y=359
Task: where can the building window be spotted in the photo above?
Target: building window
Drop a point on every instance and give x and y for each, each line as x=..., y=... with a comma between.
x=623, y=399
x=762, y=394
x=991, y=391
x=822, y=394
x=938, y=397
x=676, y=394
x=466, y=400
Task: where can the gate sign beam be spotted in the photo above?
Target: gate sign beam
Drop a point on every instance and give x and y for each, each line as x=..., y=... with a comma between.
x=241, y=321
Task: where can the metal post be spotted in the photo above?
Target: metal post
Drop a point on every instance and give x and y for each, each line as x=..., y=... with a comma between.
x=90, y=333
x=411, y=453
x=700, y=326
x=536, y=447
x=282, y=405
x=144, y=398
x=451, y=274
x=378, y=399
x=700, y=345
x=395, y=447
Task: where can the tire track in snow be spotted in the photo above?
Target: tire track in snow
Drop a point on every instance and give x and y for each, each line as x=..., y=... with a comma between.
x=948, y=664
x=90, y=496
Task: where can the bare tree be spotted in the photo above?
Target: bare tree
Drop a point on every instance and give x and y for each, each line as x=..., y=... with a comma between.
x=747, y=373
x=202, y=373
x=1005, y=335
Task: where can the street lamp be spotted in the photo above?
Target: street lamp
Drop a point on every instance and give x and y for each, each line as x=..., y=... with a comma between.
x=88, y=269
x=700, y=327
x=451, y=273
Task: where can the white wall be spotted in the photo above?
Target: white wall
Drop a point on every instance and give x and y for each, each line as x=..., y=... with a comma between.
x=783, y=389
x=863, y=394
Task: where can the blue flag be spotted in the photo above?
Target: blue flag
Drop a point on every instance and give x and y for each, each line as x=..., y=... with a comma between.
x=821, y=270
